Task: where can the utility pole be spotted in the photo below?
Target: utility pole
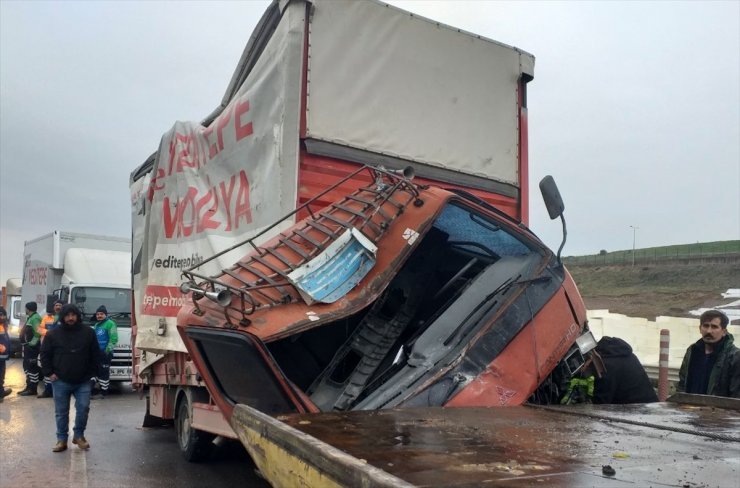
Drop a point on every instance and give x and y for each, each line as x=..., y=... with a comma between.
x=634, y=230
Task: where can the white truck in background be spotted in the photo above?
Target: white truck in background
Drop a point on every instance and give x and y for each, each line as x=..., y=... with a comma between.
x=13, y=306
x=88, y=271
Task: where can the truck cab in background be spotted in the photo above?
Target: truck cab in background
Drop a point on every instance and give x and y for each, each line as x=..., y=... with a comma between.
x=14, y=306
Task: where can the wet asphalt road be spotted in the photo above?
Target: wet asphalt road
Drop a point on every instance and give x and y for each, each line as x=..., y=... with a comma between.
x=122, y=453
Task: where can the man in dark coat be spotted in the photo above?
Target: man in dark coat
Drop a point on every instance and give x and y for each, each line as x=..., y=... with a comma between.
x=69, y=357
x=624, y=379
x=711, y=365
x=4, y=351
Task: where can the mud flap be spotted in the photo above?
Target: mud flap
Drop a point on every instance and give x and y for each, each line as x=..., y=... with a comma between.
x=152, y=421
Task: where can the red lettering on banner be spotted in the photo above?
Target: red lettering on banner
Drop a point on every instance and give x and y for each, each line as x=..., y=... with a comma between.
x=222, y=122
x=245, y=130
x=193, y=150
x=243, y=208
x=154, y=185
x=196, y=213
x=162, y=301
x=175, y=222
x=226, y=199
x=212, y=150
x=37, y=275
x=206, y=218
x=183, y=153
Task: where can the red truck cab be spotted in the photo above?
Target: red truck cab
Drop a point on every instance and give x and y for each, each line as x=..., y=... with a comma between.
x=397, y=295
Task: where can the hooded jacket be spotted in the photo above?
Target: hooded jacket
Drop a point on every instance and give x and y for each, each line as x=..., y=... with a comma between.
x=4, y=338
x=107, y=333
x=70, y=351
x=724, y=378
x=625, y=379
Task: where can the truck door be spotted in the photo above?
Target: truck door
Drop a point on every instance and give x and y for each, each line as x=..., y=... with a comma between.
x=238, y=368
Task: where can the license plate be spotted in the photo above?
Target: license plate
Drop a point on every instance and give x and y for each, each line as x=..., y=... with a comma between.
x=120, y=372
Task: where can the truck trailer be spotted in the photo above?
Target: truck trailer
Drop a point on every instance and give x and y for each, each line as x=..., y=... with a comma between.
x=88, y=271
x=412, y=136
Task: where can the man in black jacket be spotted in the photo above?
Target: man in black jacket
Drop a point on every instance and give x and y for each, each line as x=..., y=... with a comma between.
x=69, y=357
x=624, y=379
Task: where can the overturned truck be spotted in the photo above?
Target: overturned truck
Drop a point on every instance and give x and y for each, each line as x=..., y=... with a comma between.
x=348, y=230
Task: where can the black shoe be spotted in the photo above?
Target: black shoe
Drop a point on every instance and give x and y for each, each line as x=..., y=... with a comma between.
x=45, y=394
x=26, y=393
x=6, y=392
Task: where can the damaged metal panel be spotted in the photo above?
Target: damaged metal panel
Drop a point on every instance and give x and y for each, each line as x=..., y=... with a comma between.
x=338, y=269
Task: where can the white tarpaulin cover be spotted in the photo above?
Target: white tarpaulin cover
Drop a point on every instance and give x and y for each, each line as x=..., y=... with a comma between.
x=378, y=80
x=386, y=81
x=213, y=187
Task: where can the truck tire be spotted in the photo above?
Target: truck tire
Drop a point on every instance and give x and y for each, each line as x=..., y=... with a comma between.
x=195, y=445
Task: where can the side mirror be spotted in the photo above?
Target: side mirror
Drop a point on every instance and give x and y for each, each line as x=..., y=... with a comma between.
x=555, y=206
x=552, y=198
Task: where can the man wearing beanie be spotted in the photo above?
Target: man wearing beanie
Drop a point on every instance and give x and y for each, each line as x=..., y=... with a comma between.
x=106, y=331
x=69, y=357
x=31, y=340
x=4, y=352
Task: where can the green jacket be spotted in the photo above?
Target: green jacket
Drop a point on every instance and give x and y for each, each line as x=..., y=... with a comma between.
x=107, y=333
x=30, y=333
x=724, y=379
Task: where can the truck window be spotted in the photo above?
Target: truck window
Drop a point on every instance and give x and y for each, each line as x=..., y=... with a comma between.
x=476, y=234
x=116, y=300
x=16, y=309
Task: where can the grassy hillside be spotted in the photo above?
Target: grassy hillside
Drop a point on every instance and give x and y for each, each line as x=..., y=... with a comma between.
x=652, y=290
x=658, y=254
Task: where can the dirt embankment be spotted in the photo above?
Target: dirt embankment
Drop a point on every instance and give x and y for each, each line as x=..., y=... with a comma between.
x=649, y=291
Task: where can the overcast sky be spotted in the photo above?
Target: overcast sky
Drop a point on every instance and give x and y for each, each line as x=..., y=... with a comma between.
x=634, y=109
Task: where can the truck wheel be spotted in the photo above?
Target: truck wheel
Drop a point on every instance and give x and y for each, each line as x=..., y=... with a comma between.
x=195, y=445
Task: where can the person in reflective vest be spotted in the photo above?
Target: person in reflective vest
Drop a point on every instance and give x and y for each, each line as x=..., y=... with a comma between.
x=48, y=323
x=31, y=342
x=107, y=334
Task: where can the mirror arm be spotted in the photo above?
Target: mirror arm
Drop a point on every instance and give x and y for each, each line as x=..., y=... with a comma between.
x=565, y=234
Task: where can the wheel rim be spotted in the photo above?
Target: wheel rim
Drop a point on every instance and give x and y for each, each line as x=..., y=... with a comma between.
x=184, y=424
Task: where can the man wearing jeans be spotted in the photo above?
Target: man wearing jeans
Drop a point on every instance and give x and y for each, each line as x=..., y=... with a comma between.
x=4, y=351
x=69, y=357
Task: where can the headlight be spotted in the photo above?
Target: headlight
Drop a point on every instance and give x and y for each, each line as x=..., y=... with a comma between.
x=586, y=342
